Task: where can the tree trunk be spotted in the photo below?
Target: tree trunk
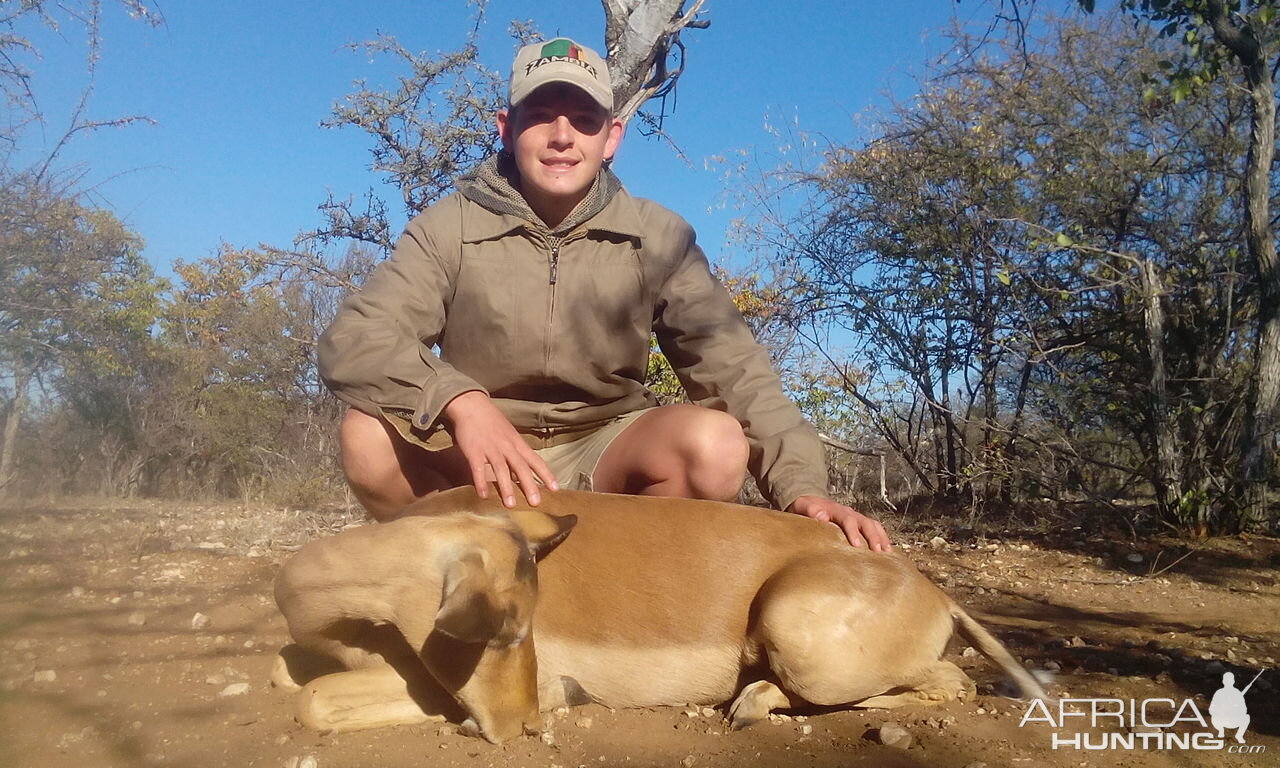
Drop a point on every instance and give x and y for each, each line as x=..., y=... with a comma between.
x=638, y=36
x=9, y=449
x=1260, y=422
x=1015, y=431
x=1258, y=436
x=1165, y=475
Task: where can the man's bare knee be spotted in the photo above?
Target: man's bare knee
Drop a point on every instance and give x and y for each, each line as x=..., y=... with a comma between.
x=384, y=472
x=366, y=449
x=677, y=450
x=716, y=451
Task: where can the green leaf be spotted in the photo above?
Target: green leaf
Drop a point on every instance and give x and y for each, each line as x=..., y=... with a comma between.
x=1003, y=277
x=1064, y=241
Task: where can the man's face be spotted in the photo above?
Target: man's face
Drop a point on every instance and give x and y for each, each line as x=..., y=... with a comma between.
x=560, y=138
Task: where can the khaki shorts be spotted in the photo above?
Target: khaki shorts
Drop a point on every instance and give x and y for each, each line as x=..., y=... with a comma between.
x=574, y=463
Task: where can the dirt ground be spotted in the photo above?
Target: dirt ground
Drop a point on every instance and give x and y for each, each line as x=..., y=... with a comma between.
x=142, y=634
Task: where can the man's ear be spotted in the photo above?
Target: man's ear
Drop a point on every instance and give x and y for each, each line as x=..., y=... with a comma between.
x=616, y=130
x=505, y=121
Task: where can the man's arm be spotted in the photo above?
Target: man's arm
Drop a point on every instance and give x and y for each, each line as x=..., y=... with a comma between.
x=721, y=366
x=377, y=354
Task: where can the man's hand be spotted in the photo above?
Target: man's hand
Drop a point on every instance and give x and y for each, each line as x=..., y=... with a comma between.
x=862, y=531
x=488, y=441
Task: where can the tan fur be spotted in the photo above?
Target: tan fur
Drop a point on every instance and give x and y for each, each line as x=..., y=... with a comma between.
x=444, y=601
x=670, y=601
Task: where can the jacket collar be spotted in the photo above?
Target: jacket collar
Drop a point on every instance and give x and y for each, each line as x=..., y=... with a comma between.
x=620, y=217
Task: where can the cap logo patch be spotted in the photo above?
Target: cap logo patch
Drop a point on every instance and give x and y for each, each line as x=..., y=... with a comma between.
x=560, y=51
x=564, y=48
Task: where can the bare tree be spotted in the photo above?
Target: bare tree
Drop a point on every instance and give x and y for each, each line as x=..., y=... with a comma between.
x=640, y=37
x=17, y=87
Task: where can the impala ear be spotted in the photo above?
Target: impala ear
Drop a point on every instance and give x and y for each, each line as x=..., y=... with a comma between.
x=543, y=532
x=466, y=612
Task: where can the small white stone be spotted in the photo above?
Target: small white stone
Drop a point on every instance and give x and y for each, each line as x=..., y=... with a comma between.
x=969, y=652
x=77, y=591
x=45, y=676
x=894, y=735
x=235, y=689
x=708, y=712
x=806, y=729
x=547, y=738
x=937, y=542
x=583, y=722
x=137, y=619
x=200, y=621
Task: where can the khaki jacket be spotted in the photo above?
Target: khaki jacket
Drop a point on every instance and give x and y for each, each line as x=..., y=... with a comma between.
x=557, y=331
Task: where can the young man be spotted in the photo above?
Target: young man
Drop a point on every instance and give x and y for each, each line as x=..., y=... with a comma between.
x=540, y=280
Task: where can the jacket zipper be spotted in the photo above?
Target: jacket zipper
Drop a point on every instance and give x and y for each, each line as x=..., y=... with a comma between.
x=551, y=304
x=555, y=243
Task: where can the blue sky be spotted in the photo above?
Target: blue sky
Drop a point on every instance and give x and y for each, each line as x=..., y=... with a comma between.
x=238, y=90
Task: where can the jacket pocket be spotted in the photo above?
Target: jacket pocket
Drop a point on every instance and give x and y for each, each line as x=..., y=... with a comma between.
x=488, y=322
x=603, y=316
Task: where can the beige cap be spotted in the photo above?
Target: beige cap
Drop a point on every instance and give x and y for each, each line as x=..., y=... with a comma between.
x=560, y=61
